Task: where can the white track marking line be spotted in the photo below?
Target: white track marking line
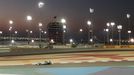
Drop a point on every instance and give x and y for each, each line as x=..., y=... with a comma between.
x=63, y=62
x=117, y=60
x=92, y=61
x=77, y=62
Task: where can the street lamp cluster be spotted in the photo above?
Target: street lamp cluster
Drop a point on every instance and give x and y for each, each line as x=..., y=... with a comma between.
x=109, y=29
x=30, y=32
x=119, y=27
x=29, y=19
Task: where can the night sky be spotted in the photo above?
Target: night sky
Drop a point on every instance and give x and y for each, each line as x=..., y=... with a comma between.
x=76, y=12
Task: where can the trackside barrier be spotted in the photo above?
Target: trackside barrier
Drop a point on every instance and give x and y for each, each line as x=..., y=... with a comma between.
x=116, y=46
x=131, y=46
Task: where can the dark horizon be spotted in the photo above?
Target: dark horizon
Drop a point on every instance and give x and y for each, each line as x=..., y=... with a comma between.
x=76, y=12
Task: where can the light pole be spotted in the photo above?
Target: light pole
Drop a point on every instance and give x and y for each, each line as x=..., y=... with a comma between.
x=129, y=35
x=40, y=36
x=40, y=6
x=128, y=17
x=119, y=27
x=90, y=32
x=30, y=35
x=81, y=30
x=45, y=37
x=16, y=32
x=1, y=35
x=63, y=21
x=112, y=25
x=89, y=23
x=10, y=28
x=29, y=19
x=107, y=31
x=27, y=31
x=129, y=31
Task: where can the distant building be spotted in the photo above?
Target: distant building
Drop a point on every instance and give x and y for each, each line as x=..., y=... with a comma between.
x=55, y=32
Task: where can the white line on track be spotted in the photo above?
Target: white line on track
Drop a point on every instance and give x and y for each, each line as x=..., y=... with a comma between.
x=77, y=62
x=63, y=62
x=117, y=60
x=130, y=60
x=104, y=60
x=92, y=61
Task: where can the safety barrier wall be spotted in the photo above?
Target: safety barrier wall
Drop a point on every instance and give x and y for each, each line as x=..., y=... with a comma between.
x=117, y=46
